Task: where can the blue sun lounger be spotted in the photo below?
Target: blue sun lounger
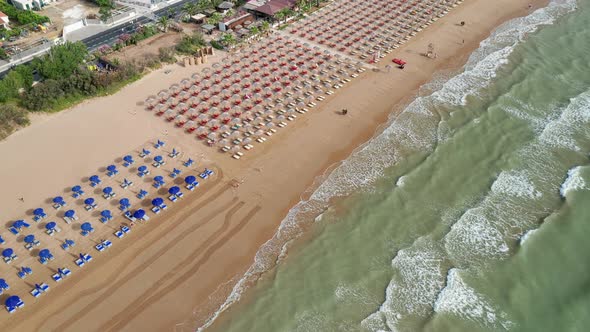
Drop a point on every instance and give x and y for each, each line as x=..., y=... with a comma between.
x=175, y=172
x=35, y=292
x=119, y=234
x=99, y=247
x=61, y=273
x=107, y=243
x=142, y=194
x=2, y=240
x=129, y=216
x=13, y=230
x=144, y=153
x=189, y=163
x=24, y=272
x=174, y=153
x=125, y=229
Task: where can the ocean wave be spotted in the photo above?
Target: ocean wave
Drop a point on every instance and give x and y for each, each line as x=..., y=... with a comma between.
x=515, y=184
x=415, y=129
x=461, y=300
x=574, y=181
x=573, y=121
x=527, y=236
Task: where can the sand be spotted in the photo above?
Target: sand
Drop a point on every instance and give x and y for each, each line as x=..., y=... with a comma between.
x=171, y=273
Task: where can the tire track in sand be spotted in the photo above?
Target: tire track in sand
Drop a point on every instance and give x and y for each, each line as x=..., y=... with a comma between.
x=119, y=321
x=115, y=286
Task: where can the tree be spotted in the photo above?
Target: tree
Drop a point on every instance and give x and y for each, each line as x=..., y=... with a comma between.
x=214, y=19
x=254, y=30
x=265, y=26
x=228, y=39
x=62, y=60
x=105, y=13
x=10, y=85
x=43, y=95
x=164, y=23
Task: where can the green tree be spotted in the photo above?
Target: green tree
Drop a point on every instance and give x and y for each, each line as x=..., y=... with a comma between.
x=265, y=27
x=3, y=55
x=164, y=23
x=62, y=60
x=105, y=13
x=254, y=30
x=10, y=118
x=10, y=85
x=228, y=39
x=43, y=95
x=214, y=19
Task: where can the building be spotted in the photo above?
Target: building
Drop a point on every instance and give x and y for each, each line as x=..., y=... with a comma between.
x=238, y=19
x=225, y=6
x=271, y=7
x=4, y=20
x=29, y=4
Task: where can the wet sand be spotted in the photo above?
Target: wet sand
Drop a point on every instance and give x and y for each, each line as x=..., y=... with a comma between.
x=162, y=276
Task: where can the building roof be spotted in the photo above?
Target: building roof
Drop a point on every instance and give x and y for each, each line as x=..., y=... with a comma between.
x=198, y=17
x=274, y=6
x=208, y=26
x=253, y=4
x=225, y=5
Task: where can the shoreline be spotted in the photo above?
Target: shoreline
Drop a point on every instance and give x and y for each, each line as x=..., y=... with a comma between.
x=253, y=210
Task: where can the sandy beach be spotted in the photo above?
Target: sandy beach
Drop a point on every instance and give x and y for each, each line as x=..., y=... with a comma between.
x=173, y=272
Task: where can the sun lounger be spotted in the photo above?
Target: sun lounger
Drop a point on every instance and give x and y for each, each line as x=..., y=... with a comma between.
x=99, y=247
x=35, y=292
x=155, y=209
x=129, y=216
x=56, y=277
x=79, y=262
x=119, y=234
x=107, y=244
x=125, y=229
x=13, y=230
x=43, y=260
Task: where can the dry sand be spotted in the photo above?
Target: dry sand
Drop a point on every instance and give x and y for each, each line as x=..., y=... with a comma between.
x=163, y=274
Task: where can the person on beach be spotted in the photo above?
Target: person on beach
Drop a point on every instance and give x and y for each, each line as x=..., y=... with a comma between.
x=22, y=199
x=344, y=111
x=462, y=23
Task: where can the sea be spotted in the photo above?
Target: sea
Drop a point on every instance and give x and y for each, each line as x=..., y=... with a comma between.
x=469, y=212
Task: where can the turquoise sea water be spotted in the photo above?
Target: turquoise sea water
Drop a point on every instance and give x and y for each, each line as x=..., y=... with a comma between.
x=470, y=212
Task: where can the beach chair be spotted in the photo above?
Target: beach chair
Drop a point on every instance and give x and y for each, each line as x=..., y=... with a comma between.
x=87, y=258
x=173, y=154
x=119, y=234
x=44, y=287
x=125, y=229
x=79, y=262
x=99, y=247
x=144, y=153
x=50, y=232
x=84, y=233
x=43, y=260
x=172, y=198
x=35, y=292
x=56, y=277
x=130, y=216
x=65, y=272
x=188, y=163
x=107, y=243
x=2, y=240
x=142, y=194
x=155, y=209
x=13, y=230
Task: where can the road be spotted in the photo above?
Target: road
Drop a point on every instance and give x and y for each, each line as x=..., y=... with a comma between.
x=111, y=35
x=108, y=36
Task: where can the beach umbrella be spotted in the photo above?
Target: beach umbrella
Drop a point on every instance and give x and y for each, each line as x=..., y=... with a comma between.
x=12, y=302
x=18, y=224
x=45, y=253
x=190, y=179
x=159, y=178
x=157, y=201
x=106, y=213
x=58, y=200
x=174, y=190
x=94, y=178
x=8, y=252
x=128, y=158
x=29, y=238
x=89, y=201
x=3, y=284
x=70, y=213
x=139, y=214
x=158, y=159
x=86, y=227
x=124, y=201
x=107, y=190
x=111, y=168
x=38, y=212
x=142, y=169
x=76, y=189
x=51, y=225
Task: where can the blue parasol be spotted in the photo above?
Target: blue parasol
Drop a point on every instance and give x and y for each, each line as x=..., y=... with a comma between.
x=124, y=201
x=159, y=178
x=51, y=225
x=174, y=190
x=45, y=253
x=18, y=224
x=139, y=214
x=128, y=158
x=38, y=212
x=190, y=179
x=89, y=201
x=158, y=159
x=70, y=213
x=8, y=252
x=13, y=301
x=142, y=168
x=94, y=178
x=76, y=189
x=111, y=168
x=107, y=190
x=29, y=238
x=157, y=201
x=106, y=213
x=58, y=200
x=86, y=226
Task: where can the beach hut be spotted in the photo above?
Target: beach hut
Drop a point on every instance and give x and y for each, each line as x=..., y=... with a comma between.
x=58, y=202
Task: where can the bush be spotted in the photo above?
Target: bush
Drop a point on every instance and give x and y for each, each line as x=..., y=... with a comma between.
x=190, y=44
x=62, y=60
x=3, y=55
x=166, y=54
x=42, y=96
x=11, y=117
x=215, y=44
x=10, y=86
x=22, y=16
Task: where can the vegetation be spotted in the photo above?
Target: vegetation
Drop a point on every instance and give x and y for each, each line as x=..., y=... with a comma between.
x=214, y=19
x=22, y=16
x=164, y=23
x=3, y=55
x=190, y=44
x=61, y=61
x=11, y=117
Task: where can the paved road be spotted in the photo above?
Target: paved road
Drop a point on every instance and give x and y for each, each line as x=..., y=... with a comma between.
x=111, y=35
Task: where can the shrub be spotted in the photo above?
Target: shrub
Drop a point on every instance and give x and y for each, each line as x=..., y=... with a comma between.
x=11, y=117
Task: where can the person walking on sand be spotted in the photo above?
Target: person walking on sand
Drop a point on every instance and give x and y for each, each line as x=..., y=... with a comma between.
x=22, y=199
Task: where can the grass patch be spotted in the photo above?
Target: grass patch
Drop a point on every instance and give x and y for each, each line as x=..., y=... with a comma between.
x=11, y=118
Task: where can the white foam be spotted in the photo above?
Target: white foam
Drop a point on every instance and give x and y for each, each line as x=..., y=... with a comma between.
x=573, y=182
x=527, y=235
x=516, y=184
x=575, y=118
x=413, y=130
x=418, y=278
x=459, y=299
x=400, y=181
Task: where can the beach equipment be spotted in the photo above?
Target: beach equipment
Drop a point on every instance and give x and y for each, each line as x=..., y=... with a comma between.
x=159, y=144
x=58, y=202
x=142, y=171
x=24, y=272
x=112, y=170
x=124, y=204
x=7, y=253
x=126, y=183
x=128, y=161
x=13, y=302
x=94, y=180
x=189, y=162
x=86, y=228
x=68, y=243
x=108, y=193
x=144, y=153
x=39, y=214
x=158, y=161
x=77, y=191
x=3, y=285
x=29, y=239
x=89, y=204
x=1, y=240
x=18, y=224
x=105, y=216
x=140, y=214
x=142, y=194
x=174, y=190
x=70, y=214
x=51, y=228
x=45, y=253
